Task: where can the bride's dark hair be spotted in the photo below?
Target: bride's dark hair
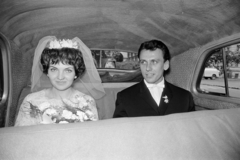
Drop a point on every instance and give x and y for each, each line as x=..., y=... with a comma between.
x=68, y=56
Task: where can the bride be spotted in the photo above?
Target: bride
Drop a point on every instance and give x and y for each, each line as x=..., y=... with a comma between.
x=64, y=84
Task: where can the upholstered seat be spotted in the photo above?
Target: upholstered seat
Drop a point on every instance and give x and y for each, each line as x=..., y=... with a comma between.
x=195, y=135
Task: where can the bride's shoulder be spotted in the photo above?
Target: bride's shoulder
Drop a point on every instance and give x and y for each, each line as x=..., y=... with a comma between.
x=77, y=93
x=36, y=95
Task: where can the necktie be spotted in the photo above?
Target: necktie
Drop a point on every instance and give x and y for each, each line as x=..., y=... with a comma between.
x=156, y=91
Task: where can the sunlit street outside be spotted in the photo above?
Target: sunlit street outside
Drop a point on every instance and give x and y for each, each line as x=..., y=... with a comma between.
x=218, y=86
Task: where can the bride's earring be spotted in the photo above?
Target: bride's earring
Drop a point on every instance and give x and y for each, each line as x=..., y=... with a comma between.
x=75, y=77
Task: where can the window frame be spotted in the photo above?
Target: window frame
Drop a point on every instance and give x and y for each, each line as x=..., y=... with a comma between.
x=7, y=78
x=199, y=70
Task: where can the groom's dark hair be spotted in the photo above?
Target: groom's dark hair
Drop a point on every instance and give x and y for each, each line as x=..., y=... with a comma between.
x=152, y=45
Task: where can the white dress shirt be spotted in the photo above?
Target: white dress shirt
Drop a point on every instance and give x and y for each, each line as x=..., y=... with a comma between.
x=156, y=90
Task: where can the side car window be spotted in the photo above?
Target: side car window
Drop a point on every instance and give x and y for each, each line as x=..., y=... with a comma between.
x=221, y=75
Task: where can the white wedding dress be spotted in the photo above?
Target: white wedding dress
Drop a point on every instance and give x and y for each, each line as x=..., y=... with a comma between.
x=37, y=108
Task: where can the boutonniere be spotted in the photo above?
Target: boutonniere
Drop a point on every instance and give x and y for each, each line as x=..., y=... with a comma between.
x=165, y=99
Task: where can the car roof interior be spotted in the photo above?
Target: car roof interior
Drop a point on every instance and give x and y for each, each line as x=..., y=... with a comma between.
x=120, y=25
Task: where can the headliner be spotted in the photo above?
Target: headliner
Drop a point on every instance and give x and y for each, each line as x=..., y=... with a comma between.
x=124, y=25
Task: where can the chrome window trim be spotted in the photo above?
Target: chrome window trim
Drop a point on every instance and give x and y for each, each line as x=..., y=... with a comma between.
x=116, y=70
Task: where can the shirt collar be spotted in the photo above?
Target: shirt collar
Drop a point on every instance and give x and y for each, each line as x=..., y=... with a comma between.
x=160, y=84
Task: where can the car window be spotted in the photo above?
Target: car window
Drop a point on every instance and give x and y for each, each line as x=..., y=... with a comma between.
x=221, y=75
x=117, y=66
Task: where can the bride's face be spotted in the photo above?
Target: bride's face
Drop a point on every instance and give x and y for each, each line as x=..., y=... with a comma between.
x=61, y=75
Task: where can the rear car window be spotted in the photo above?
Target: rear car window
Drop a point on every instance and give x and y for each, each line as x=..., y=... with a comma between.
x=117, y=66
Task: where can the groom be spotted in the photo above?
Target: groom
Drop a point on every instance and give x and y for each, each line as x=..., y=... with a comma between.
x=153, y=96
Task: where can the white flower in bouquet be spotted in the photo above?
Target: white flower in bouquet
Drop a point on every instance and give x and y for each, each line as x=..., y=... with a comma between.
x=81, y=116
x=74, y=117
x=83, y=105
x=81, y=108
x=51, y=111
x=90, y=115
x=67, y=114
x=44, y=106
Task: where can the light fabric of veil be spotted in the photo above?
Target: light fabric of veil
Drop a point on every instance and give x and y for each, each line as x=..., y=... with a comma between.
x=88, y=83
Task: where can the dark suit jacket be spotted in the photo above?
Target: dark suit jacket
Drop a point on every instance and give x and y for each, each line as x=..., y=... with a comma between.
x=137, y=101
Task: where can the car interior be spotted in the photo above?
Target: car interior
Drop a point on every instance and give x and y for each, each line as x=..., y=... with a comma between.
x=199, y=34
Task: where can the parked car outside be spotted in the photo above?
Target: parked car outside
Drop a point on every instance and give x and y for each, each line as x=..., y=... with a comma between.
x=212, y=73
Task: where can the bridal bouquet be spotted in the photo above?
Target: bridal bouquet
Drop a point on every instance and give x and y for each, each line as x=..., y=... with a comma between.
x=69, y=113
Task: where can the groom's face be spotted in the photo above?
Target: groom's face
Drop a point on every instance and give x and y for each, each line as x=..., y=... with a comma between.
x=152, y=65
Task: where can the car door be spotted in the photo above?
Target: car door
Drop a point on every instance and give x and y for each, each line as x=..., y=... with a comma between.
x=222, y=92
x=187, y=70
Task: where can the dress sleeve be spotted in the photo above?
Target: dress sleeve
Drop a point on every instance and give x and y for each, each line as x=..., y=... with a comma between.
x=92, y=106
x=25, y=115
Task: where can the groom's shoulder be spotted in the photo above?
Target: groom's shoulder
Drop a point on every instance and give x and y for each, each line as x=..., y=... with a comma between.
x=177, y=88
x=131, y=89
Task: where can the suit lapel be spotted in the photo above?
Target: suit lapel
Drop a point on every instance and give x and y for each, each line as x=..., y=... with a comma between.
x=146, y=95
x=165, y=99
